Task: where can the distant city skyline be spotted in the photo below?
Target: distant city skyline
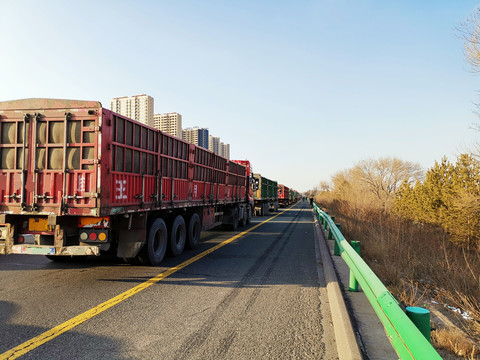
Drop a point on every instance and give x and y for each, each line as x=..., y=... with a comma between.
x=171, y=123
x=136, y=107
x=224, y=150
x=196, y=135
x=214, y=144
x=140, y=108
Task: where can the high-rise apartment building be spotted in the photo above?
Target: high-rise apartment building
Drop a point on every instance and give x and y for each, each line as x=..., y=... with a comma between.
x=170, y=123
x=214, y=144
x=196, y=135
x=137, y=107
x=224, y=150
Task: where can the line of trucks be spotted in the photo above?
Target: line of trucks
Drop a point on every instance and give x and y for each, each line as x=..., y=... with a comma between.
x=77, y=179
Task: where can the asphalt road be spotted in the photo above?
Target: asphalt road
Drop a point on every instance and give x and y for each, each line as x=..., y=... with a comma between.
x=261, y=296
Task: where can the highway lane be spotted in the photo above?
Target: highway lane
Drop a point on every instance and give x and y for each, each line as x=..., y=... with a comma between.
x=260, y=296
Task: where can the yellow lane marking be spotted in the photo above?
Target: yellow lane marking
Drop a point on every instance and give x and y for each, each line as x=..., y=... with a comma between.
x=35, y=342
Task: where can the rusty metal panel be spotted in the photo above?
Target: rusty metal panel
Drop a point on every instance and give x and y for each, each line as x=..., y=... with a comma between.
x=90, y=161
x=45, y=145
x=208, y=217
x=130, y=174
x=6, y=238
x=38, y=224
x=201, y=191
x=181, y=190
x=283, y=192
x=51, y=250
x=42, y=103
x=93, y=222
x=166, y=190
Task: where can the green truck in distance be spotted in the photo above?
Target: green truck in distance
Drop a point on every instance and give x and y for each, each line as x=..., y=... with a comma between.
x=265, y=195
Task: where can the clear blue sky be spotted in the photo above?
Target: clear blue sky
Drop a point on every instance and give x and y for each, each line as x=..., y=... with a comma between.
x=302, y=89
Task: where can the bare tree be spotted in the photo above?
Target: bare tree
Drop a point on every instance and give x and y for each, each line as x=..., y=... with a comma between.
x=383, y=177
x=324, y=186
x=469, y=31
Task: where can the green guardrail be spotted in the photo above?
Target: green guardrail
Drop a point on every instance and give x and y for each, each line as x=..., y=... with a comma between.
x=406, y=339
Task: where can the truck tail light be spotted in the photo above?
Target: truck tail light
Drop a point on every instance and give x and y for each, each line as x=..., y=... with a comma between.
x=21, y=240
x=94, y=235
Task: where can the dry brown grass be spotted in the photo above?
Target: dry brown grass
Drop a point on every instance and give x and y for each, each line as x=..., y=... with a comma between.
x=408, y=293
x=414, y=260
x=466, y=302
x=455, y=342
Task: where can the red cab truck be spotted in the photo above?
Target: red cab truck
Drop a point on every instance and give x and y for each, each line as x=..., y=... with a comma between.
x=79, y=179
x=251, y=187
x=283, y=195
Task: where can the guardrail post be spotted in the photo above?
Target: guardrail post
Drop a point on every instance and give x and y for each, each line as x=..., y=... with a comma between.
x=353, y=283
x=421, y=318
x=325, y=225
x=336, y=248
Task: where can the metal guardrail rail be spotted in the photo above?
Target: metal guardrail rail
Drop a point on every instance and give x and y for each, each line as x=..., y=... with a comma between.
x=406, y=339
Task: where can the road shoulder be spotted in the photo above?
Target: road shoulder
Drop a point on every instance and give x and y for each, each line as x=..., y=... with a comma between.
x=368, y=328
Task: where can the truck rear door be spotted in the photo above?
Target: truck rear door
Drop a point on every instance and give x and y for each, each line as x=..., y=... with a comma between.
x=48, y=156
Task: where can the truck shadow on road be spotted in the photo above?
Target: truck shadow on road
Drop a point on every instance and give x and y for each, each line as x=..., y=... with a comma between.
x=259, y=259
x=70, y=345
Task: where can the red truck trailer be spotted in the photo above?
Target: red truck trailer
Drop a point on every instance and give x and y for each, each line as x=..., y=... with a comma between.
x=283, y=195
x=262, y=192
x=78, y=179
x=251, y=187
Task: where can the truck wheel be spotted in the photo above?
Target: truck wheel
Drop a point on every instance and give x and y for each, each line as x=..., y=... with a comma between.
x=156, y=245
x=178, y=236
x=249, y=212
x=234, y=219
x=194, y=230
x=242, y=220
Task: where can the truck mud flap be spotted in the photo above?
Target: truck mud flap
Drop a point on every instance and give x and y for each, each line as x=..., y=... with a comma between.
x=6, y=239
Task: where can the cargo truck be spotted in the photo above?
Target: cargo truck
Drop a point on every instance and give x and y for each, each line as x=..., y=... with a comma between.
x=293, y=196
x=296, y=196
x=283, y=195
x=265, y=195
x=79, y=179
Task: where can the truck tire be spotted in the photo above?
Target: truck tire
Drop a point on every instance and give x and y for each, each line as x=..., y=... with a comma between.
x=265, y=209
x=156, y=245
x=242, y=220
x=194, y=230
x=178, y=235
x=235, y=219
